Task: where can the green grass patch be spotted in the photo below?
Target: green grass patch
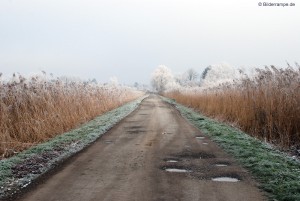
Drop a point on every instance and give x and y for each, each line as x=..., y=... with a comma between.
x=20, y=170
x=277, y=173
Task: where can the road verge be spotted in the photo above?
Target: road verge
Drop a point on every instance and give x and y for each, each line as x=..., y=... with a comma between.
x=21, y=170
x=277, y=173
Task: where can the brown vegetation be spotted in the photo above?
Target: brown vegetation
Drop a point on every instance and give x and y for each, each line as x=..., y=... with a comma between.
x=266, y=106
x=36, y=109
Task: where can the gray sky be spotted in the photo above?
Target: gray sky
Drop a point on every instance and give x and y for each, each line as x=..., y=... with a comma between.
x=130, y=38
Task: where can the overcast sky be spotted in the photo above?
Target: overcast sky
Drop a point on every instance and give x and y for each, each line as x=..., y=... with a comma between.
x=130, y=38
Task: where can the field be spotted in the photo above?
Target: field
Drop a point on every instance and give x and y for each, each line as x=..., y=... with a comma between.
x=266, y=105
x=35, y=109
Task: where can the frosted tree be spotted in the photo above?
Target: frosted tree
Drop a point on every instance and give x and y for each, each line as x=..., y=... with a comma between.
x=162, y=78
x=217, y=74
x=114, y=80
x=191, y=75
x=190, y=78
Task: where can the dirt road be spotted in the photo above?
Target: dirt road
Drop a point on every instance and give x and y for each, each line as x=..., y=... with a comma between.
x=130, y=162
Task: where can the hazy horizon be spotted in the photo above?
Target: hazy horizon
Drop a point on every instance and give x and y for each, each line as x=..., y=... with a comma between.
x=128, y=39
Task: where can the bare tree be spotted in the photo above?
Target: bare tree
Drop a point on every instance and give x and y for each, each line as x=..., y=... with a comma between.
x=218, y=73
x=192, y=75
x=189, y=78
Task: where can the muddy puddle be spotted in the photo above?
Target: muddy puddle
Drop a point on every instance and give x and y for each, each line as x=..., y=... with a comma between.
x=172, y=161
x=221, y=165
x=177, y=170
x=225, y=179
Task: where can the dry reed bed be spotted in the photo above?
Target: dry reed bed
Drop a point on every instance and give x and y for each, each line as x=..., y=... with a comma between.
x=267, y=106
x=36, y=109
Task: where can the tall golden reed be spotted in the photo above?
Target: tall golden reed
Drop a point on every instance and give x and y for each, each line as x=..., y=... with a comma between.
x=34, y=110
x=266, y=106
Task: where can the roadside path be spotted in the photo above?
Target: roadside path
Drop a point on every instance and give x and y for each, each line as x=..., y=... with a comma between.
x=130, y=162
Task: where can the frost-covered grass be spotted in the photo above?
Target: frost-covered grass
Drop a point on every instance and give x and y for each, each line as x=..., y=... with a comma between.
x=277, y=173
x=35, y=109
x=20, y=170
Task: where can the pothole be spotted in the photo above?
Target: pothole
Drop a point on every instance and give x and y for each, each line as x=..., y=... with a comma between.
x=172, y=161
x=135, y=131
x=225, y=179
x=177, y=170
x=199, y=155
x=200, y=138
x=133, y=127
x=221, y=165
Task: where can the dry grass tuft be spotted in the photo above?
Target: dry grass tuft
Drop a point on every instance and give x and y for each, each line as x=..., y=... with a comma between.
x=36, y=109
x=266, y=106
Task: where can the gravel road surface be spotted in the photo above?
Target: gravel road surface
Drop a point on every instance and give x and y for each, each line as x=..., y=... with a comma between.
x=153, y=154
